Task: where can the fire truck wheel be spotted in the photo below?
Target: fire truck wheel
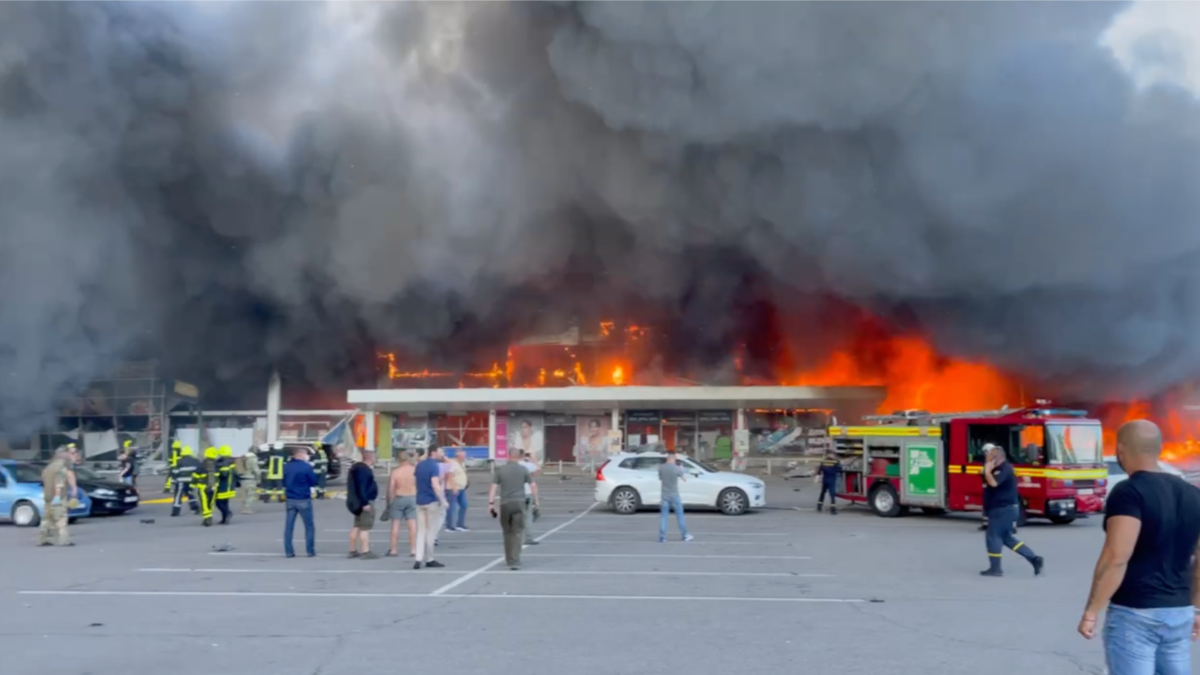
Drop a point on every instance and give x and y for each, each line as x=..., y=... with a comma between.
x=733, y=502
x=626, y=500
x=884, y=501
x=933, y=511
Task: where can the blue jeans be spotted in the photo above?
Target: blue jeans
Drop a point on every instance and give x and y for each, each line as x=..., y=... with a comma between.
x=457, y=505
x=304, y=509
x=451, y=508
x=669, y=503
x=1148, y=641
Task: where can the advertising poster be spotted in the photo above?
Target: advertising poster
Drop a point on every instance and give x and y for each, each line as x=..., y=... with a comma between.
x=591, y=438
x=526, y=431
x=501, y=440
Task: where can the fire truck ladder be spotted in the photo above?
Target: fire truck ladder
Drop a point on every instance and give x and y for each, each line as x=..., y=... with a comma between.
x=925, y=418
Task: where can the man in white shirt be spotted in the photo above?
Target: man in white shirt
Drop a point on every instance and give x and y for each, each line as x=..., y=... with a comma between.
x=527, y=462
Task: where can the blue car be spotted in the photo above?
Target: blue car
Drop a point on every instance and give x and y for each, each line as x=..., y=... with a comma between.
x=21, y=495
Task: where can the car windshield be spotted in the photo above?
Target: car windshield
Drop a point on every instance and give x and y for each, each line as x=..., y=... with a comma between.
x=29, y=473
x=86, y=473
x=1074, y=444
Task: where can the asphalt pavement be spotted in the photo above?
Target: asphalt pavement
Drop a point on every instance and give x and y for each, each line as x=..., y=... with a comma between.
x=784, y=588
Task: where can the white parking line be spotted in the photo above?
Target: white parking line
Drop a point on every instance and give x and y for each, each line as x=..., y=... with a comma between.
x=555, y=555
x=471, y=575
x=455, y=596
x=635, y=573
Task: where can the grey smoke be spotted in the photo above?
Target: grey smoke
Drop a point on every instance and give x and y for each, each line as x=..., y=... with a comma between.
x=232, y=186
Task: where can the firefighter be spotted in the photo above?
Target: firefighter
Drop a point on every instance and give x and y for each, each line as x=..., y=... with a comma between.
x=1002, y=506
x=831, y=469
x=204, y=482
x=320, y=462
x=226, y=482
x=181, y=476
x=172, y=462
x=273, y=486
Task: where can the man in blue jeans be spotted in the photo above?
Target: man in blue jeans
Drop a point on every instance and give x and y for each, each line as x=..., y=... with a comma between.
x=1145, y=577
x=298, y=481
x=669, y=474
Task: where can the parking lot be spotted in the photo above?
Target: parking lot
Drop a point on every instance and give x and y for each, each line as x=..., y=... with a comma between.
x=780, y=588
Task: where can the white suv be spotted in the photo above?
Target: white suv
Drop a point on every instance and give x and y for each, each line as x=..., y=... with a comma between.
x=629, y=481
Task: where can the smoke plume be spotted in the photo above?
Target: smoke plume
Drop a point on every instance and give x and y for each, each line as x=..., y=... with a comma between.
x=230, y=187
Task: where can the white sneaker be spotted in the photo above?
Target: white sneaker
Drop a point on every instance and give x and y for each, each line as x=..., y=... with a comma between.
x=688, y=538
x=464, y=529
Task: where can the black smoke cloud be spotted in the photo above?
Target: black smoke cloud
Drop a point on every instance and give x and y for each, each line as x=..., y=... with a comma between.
x=233, y=187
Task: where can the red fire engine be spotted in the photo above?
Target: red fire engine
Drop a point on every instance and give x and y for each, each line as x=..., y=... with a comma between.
x=935, y=461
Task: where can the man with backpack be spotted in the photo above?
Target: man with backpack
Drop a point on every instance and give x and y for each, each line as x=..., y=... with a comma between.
x=361, y=491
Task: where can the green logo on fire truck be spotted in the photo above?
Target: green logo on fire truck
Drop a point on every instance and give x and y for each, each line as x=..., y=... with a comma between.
x=922, y=470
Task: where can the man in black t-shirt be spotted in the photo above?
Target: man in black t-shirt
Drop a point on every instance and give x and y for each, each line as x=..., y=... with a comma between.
x=1001, y=505
x=1145, y=576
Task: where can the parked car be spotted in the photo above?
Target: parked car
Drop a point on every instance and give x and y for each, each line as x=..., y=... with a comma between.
x=21, y=498
x=629, y=481
x=1116, y=474
x=109, y=495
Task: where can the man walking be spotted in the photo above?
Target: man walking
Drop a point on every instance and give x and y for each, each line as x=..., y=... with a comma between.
x=1002, y=507
x=831, y=469
x=58, y=494
x=669, y=474
x=248, y=475
x=402, y=503
x=431, y=499
x=181, y=481
x=1145, y=576
x=531, y=501
x=298, y=481
x=226, y=483
x=512, y=479
x=361, y=491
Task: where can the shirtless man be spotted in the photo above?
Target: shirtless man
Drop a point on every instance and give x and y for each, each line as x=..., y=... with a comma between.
x=402, y=502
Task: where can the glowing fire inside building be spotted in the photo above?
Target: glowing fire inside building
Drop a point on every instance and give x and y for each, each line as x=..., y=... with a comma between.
x=915, y=376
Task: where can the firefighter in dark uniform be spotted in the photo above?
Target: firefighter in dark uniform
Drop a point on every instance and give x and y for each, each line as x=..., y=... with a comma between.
x=226, y=482
x=1002, y=505
x=185, y=467
x=172, y=462
x=204, y=482
x=320, y=462
x=830, y=471
x=273, y=485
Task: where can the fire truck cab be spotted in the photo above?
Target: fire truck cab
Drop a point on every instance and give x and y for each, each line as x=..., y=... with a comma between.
x=935, y=461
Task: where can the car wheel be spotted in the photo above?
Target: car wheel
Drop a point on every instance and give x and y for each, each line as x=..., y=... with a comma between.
x=626, y=500
x=884, y=501
x=72, y=521
x=25, y=514
x=733, y=502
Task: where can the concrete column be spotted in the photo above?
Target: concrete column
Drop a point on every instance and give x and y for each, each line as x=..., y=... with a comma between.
x=274, y=395
x=369, y=418
x=492, y=435
x=616, y=419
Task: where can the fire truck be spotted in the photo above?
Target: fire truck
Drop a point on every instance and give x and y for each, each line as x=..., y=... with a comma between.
x=935, y=461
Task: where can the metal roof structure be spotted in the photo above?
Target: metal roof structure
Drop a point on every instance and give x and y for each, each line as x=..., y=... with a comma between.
x=586, y=399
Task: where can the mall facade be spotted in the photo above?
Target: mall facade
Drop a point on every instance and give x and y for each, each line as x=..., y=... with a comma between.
x=583, y=424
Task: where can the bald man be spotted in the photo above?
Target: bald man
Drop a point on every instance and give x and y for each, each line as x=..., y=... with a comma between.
x=1144, y=576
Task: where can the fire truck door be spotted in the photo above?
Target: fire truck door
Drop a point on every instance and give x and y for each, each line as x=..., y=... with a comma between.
x=922, y=473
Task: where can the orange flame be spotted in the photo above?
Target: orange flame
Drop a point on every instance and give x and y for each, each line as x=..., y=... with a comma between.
x=359, y=427
x=1179, y=423
x=618, y=376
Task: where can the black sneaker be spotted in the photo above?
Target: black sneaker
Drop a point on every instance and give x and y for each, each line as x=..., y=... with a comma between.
x=353, y=554
x=369, y=555
x=1038, y=564
x=434, y=563
x=991, y=573
x=515, y=568
x=416, y=565
x=290, y=555
x=310, y=555
x=833, y=510
x=820, y=507
x=390, y=554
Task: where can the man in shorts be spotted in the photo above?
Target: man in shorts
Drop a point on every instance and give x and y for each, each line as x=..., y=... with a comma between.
x=361, y=492
x=402, y=503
